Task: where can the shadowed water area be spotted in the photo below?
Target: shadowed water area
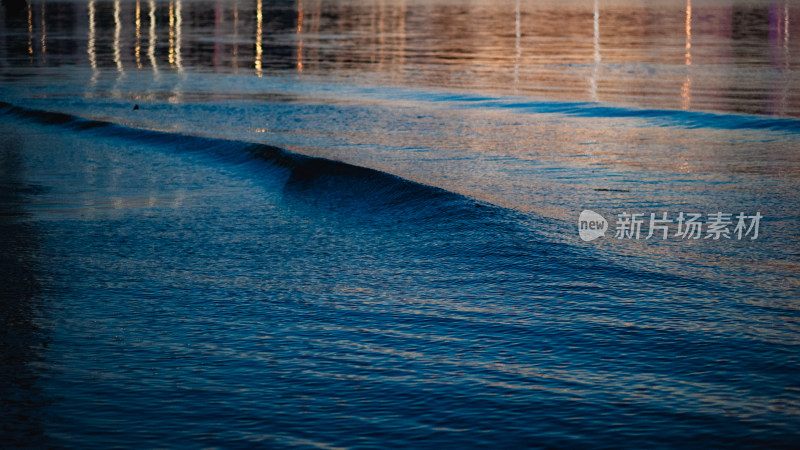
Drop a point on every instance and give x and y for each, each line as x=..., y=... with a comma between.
x=349, y=224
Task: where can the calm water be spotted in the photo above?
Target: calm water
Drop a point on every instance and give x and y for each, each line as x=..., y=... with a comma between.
x=348, y=224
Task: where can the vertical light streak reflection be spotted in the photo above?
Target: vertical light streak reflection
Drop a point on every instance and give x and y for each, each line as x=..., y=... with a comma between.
x=300, y=35
x=686, y=89
x=381, y=35
x=117, y=33
x=176, y=27
x=235, y=58
x=688, y=32
x=171, y=54
x=138, y=48
x=518, y=47
x=151, y=48
x=178, y=36
x=597, y=58
x=90, y=49
x=259, y=18
x=401, y=53
x=784, y=98
x=118, y=49
x=44, y=35
x=30, y=30
x=786, y=33
x=219, y=18
x=596, y=24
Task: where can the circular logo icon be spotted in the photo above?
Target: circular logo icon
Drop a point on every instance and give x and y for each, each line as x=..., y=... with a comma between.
x=591, y=225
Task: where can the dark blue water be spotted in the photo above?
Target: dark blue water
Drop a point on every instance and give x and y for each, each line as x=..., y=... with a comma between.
x=353, y=224
x=195, y=292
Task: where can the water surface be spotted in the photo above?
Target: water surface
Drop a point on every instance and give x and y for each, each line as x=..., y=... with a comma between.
x=354, y=224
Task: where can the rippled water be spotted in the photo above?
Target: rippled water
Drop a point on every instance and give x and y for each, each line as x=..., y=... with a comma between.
x=354, y=224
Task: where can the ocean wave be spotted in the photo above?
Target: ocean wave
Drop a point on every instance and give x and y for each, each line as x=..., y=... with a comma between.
x=337, y=184
x=660, y=117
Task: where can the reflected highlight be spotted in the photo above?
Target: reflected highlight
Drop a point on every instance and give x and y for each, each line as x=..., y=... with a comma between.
x=235, y=55
x=30, y=30
x=171, y=54
x=151, y=48
x=178, y=35
x=137, y=50
x=117, y=34
x=259, y=37
x=596, y=62
x=436, y=46
x=91, y=50
x=686, y=89
x=517, y=45
x=44, y=34
x=300, y=36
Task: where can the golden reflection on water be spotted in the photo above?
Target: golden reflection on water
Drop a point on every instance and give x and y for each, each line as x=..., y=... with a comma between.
x=172, y=33
x=235, y=58
x=176, y=18
x=117, y=34
x=783, y=31
x=138, y=48
x=151, y=48
x=686, y=89
x=259, y=36
x=517, y=46
x=44, y=34
x=300, y=35
x=688, y=32
x=597, y=58
x=178, y=35
x=656, y=56
x=91, y=50
x=786, y=30
x=30, y=30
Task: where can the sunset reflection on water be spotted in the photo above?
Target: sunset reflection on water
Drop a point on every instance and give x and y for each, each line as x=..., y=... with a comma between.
x=703, y=56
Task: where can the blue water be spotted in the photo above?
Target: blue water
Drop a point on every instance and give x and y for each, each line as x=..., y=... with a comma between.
x=265, y=253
